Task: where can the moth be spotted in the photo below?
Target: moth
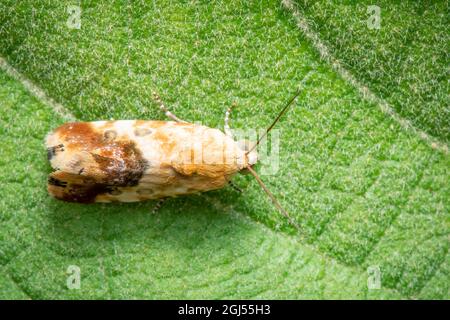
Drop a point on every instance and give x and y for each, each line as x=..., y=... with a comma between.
x=137, y=160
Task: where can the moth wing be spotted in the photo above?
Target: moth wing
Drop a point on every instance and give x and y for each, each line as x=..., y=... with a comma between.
x=82, y=175
x=214, y=155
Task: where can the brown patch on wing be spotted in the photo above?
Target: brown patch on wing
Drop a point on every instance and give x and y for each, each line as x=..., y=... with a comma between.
x=162, y=137
x=80, y=134
x=108, y=162
x=167, y=144
x=121, y=162
x=74, y=188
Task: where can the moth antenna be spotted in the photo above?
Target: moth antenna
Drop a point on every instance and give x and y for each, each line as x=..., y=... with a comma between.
x=288, y=104
x=163, y=108
x=272, y=197
x=226, y=127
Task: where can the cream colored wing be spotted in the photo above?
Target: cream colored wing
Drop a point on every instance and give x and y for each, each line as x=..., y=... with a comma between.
x=131, y=160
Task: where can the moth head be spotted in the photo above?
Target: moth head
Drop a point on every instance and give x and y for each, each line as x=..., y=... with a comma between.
x=246, y=145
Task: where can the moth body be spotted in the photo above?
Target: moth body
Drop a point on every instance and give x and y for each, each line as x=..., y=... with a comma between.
x=135, y=160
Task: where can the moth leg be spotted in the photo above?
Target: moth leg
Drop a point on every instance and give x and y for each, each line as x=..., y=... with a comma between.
x=235, y=187
x=226, y=126
x=163, y=108
x=158, y=205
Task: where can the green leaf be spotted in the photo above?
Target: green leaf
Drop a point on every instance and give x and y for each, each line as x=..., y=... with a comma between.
x=366, y=194
x=403, y=59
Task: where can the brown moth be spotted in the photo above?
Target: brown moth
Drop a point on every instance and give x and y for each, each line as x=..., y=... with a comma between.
x=136, y=160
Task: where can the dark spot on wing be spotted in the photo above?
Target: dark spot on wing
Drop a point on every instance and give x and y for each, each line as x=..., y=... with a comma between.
x=55, y=182
x=51, y=152
x=144, y=191
x=110, y=135
x=114, y=191
x=140, y=132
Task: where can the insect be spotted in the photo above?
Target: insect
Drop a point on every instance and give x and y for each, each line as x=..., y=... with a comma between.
x=137, y=160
